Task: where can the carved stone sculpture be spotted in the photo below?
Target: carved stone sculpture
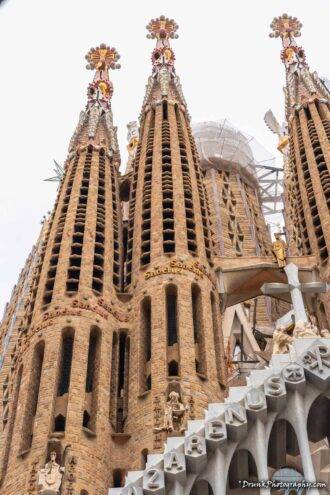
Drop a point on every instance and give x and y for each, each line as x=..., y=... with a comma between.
x=325, y=333
x=303, y=330
x=174, y=413
x=279, y=249
x=50, y=477
x=281, y=341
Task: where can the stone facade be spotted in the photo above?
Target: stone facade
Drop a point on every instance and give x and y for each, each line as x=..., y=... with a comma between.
x=113, y=341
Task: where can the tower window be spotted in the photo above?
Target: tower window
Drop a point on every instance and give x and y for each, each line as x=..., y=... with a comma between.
x=33, y=395
x=145, y=344
x=171, y=315
x=66, y=361
x=197, y=314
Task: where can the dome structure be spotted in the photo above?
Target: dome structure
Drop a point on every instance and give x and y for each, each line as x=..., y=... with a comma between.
x=222, y=145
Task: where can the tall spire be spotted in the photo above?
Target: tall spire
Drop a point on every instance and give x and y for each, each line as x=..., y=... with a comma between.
x=99, y=94
x=301, y=84
x=101, y=59
x=163, y=29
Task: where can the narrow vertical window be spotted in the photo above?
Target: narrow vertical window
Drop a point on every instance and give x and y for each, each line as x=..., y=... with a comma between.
x=11, y=425
x=217, y=341
x=123, y=380
x=145, y=360
x=66, y=361
x=91, y=388
x=197, y=314
x=61, y=402
x=31, y=406
x=114, y=379
x=172, y=330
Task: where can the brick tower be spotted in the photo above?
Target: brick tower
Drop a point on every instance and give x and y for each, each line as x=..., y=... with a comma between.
x=307, y=192
x=176, y=339
x=55, y=392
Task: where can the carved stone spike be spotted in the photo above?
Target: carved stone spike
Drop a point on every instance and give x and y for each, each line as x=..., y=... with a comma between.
x=255, y=404
x=275, y=393
x=175, y=466
x=294, y=377
x=316, y=363
x=216, y=433
x=153, y=481
x=195, y=452
x=235, y=416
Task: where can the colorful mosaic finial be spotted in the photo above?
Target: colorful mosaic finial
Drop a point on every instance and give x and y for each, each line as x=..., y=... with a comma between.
x=101, y=59
x=162, y=28
x=285, y=26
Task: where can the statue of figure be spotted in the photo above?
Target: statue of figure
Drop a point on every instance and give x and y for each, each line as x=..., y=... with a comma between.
x=281, y=341
x=325, y=333
x=174, y=413
x=50, y=477
x=279, y=249
x=304, y=330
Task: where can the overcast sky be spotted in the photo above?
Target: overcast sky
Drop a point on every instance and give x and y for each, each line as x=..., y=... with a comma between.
x=229, y=68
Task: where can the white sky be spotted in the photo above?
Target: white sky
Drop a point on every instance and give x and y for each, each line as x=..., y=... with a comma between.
x=228, y=66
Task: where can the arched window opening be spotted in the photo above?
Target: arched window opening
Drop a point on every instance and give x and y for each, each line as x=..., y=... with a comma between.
x=122, y=381
x=91, y=363
x=114, y=379
x=171, y=313
x=66, y=361
x=12, y=420
x=33, y=395
x=92, y=375
x=145, y=354
x=198, y=326
x=118, y=478
x=86, y=419
x=318, y=424
x=165, y=110
x=242, y=467
x=83, y=492
x=217, y=338
x=148, y=382
x=283, y=449
x=173, y=368
x=144, y=458
x=59, y=423
x=201, y=487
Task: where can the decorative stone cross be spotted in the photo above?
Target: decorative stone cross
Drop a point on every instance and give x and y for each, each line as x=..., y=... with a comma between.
x=295, y=288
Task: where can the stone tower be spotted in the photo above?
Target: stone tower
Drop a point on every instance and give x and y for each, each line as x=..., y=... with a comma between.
x=55, y=392
x=176, y=337
x=307, y=192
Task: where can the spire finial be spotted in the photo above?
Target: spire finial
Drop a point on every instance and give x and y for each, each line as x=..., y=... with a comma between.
x=101, y=59
x=162, y=29
x=285, y=26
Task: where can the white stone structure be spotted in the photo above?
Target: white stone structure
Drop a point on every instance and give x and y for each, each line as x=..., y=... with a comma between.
x=279, y=420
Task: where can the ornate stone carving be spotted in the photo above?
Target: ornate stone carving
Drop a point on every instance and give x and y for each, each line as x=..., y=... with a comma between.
x=281, y=341
x=50, y=477
x=174, y=414
x=70, y=477
x=304, y=330
x=279, y=250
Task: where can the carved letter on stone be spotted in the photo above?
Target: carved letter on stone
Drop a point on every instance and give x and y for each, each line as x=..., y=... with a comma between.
x=294, y=377
x=195, y=450
x=215, y=433
x=50, y=477
x=175, y=466
x=275, y=392
x=153, y=481
x=236, y=422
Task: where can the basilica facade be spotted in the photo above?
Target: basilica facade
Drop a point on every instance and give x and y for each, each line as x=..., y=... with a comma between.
x=159, y=341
